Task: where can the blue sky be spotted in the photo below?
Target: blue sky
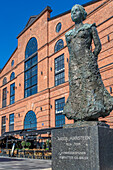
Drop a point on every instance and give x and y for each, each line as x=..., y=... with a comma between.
x=14, y=15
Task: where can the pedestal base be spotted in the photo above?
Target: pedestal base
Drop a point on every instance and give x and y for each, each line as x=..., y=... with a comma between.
x=82, y=148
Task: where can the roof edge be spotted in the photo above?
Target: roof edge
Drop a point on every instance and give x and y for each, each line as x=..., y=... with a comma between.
x=30, y=19
x=48, y=8
x=91, y=2
x=84, y=5
x=9, y=59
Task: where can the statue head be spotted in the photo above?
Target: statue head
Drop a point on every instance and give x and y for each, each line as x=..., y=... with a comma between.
x=78, y=13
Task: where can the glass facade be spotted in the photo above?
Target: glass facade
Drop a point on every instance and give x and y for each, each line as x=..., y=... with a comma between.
x=30, y=83
x=30, y=121
x=59, y=45
x=59, y=70
x=11, y=122
x=12, y=93
x=12, y=76
x=59, y=117
x=3, y=128
x=4, y=97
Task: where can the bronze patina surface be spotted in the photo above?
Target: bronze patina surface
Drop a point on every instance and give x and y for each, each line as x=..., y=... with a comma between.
x=88, y=98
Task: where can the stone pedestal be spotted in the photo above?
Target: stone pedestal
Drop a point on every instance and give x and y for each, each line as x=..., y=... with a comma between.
x=88, y=147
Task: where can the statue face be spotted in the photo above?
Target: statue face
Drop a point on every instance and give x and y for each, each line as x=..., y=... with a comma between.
x=76, y=14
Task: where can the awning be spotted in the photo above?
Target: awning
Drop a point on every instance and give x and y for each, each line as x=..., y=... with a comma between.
x=28, y=132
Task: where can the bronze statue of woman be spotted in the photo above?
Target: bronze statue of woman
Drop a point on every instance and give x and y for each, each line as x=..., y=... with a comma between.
x=88, y=98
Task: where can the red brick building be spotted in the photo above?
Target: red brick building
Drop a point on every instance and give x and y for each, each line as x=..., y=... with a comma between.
x=34, y=81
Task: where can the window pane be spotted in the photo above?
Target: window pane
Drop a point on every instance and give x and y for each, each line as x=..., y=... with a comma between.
x=11, y=122
x=30, y=120
x=34, y=70
x=31, y=47
x=12, y=89
x=3, y=128
x=11, y=127
x=12, y=99
x=11, y=118
x=12, y=93
x=4, y=97
x=31, y=69
x=27, y=83
x=34, y=89
x=59, y=45
x=34, y=60
x=27, y=64
x=59, y=70
x=27, y=74
x=34, y=80
x=12, y=76
x=27, y=93
x=59, y=118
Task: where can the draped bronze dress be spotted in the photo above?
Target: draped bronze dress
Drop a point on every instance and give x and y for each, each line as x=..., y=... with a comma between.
x=88, y=98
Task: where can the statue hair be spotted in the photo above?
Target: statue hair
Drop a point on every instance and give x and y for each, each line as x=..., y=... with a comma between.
x=84, y=13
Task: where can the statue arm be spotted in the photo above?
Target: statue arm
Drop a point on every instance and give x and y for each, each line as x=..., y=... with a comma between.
x=96, y=40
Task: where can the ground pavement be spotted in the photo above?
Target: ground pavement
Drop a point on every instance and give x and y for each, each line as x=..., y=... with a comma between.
x=7, y=163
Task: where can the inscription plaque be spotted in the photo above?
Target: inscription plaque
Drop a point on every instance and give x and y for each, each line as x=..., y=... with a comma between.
x=82, y=148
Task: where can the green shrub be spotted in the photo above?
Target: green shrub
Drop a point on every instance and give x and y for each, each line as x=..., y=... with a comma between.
x=28, y=144
x=23, y=143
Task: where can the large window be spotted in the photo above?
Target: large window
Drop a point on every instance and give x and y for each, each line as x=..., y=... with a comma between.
x=30, y=85
x=4, y=97
x=59, y=117
x=59, y=70
x=31, y=47
x=12, y=93
x=30, y=121
x=11, y=122
x=3, y=129
x=59, y=45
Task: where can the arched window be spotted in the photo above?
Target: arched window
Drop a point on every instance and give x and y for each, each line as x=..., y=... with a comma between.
x=12, y=76
x=31, y=47
x=30, y=121
x=59, y=45
x=30, y=84
x=4, y=80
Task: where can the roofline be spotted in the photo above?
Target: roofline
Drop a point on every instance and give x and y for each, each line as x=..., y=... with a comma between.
x=84, y=5
x=90, y=2
x=9, y=59
x=48, y=8
x=30, y=18
x=59, y=15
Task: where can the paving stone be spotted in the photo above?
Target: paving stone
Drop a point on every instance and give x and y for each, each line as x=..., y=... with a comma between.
x=24, y=164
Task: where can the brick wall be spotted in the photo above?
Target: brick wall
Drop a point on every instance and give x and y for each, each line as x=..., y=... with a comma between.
x=44, y=31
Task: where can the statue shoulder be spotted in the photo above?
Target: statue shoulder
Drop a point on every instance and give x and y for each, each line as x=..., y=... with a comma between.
x=87, y=26
x=68, y=35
